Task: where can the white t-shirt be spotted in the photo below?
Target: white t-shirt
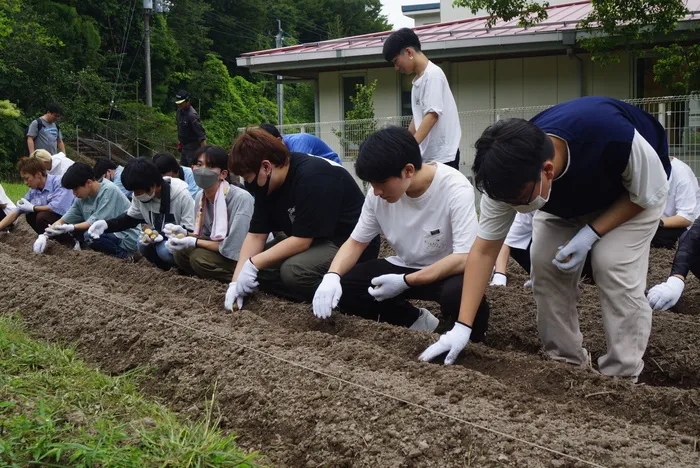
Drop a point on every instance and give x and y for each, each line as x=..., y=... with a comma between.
x=683, y=192
x=4, y=200
x=60, y=164
x=431, y=93
x=427, y=228
x=520, y=233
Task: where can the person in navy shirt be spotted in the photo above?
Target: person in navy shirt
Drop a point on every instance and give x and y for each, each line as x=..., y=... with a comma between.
x=596, y=169
x=303, y=143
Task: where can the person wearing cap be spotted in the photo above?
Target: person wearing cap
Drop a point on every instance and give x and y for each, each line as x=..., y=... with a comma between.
x=104, y=168
x=190, y=133
x=56, y=165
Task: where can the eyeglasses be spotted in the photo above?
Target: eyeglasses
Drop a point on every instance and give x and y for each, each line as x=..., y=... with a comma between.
x=532, y=193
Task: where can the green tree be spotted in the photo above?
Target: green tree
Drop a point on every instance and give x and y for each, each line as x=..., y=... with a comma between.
x=11, y=139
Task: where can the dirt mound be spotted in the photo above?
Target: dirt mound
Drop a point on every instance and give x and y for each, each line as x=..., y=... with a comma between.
x=349, y=392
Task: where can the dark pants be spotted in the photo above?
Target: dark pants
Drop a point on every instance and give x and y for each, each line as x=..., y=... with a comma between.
x=398, y=310
x=666, y=238
x=40, y=220
x=187, y=153
x=205, y=264
x=158, y=255
x=523, y=258
x=454, y=163
x=106, y=244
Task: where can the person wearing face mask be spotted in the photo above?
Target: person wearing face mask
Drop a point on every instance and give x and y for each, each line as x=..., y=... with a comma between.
x=313, y=202
x=157, y=201
x=169, y=167
x=222, y=217
x=596, y=169
x=104, y=168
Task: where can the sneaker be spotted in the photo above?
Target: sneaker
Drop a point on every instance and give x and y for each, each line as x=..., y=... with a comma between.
x=77, y=246
x=425, y=322
x=133, y=258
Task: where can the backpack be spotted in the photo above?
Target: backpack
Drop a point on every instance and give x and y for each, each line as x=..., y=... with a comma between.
x=39, y=126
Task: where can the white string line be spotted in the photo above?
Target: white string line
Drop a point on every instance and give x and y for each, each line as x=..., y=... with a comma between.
x=302, y=366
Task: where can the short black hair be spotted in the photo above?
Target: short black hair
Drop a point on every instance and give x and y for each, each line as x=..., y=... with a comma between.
x=77, y=175
x=102, y=166
x=54, y=108
x=271, y=129
x=140, y=174
x=398, y=41
x=385, y=153
x=214, y=156
x=510, y=154
x=166, y=162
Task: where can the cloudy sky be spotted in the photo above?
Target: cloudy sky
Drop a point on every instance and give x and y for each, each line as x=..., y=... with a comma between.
x=392, y=8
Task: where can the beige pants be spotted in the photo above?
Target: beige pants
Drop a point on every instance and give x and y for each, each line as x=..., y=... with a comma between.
x=620, y=261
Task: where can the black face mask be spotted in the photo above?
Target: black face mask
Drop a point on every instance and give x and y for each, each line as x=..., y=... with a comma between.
x=256, y=190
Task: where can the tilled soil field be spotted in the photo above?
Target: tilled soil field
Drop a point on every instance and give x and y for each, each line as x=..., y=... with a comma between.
x=349, y=392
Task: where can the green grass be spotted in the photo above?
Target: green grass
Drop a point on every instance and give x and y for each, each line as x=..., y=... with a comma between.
x=55, y=411
x=14, y=191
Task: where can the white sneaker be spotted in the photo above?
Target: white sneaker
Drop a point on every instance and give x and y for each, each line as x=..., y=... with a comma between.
x=425, y=322
x=77, y=246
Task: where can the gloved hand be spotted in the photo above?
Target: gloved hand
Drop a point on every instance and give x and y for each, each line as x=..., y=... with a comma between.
x=58, y=229
x=246, y=282
x=40, y=244
x=527, y=284
x=24, y=206
x=574, y=252
x=387, y=286
x=665, y=295
x=327, y=295
x=175, y=245
x=453, y=341
x=145, y=239
x=232, y=297
x=172, y=230
x=499, y=279
x=97, y=229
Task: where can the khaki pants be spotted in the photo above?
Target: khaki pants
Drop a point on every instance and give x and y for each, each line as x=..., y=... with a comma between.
x=205, y=264
x=620, y=261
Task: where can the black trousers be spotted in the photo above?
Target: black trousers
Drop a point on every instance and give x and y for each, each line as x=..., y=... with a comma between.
x=40, y=220
x=523, y=258
x=454, y=163
x=398, y=310
x=666, y=238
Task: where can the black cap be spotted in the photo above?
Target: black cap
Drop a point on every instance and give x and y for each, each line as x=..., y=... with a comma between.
x=181, y=97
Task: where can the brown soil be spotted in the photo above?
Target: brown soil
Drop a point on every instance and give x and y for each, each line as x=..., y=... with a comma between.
x=268, y=364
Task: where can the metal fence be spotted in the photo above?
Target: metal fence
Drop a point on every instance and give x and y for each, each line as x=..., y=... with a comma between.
x=680, y=116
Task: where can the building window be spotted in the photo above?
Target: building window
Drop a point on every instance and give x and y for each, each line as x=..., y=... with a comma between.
x=350, y=90
x=406, y=86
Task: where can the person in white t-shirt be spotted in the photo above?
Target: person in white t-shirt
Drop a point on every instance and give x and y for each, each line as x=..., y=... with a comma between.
x=435, y=122
x=682, y=206
x=426, y=212
x=56, y=165
x=6, y=206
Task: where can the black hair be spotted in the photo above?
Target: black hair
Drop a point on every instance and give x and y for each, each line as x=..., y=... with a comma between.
x=77, y=175
x=398, y=41
x=509, y=155
x=102, y=166
x=385, y=153
x=271, y=129
x=140, y=174
x=214, y=156
x=166, y=162
x=54, y=109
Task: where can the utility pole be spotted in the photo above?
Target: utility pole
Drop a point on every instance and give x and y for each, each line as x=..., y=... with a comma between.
x=280, y=86
x=147, y=10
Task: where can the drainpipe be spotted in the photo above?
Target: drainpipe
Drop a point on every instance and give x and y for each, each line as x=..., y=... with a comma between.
x=579, y=70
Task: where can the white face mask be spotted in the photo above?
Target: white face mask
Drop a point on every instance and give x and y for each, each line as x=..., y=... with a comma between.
x=535, y=204
x=145, y=198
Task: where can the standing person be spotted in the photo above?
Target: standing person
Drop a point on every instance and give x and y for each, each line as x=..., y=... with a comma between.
x=157, y=201
x=314, y=202
x=6, y=207
x=94, y=201
x=435, y=122
x=426, y=212
x=596, y=169
x=304, y=143
x=104, y=168
x=190, y=133
x=56, y=165
x=169, y=167
x=222, y=217
x=44, y=204
x=44, y=132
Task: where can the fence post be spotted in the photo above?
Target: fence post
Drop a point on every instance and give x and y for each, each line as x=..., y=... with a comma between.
x=662, y=114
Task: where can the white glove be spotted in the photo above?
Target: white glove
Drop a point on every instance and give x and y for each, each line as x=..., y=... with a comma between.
x=499, y=279
x=97, y=228
x=40, y=244
x=59, y=229
x=246, y=281
x=232, y=297
x=24, y=206
x=327, y=295
x=527, y=284
x=172, y=230
x=453, y=341
x=574, y=252
x=387, y=286
x=665, y=295
x=175, y=245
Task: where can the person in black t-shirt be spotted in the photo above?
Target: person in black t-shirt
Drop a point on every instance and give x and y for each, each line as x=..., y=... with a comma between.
x=314, y=203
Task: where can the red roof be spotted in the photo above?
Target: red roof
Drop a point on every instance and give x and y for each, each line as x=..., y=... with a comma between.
x=561, y=18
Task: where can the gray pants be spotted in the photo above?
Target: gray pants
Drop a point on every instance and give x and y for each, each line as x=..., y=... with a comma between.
x=620, y=260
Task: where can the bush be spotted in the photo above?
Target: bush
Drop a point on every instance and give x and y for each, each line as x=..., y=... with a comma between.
x=12, y=139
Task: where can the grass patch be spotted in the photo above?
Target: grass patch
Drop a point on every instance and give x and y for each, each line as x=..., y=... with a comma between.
x=55, y=411
x=15, y=191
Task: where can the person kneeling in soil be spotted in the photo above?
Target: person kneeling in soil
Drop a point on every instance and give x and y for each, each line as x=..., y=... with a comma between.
x=222, y=219
x=43, y=205
x=665, y=295
x=104, y=168
x=426, y=212
x=596, y=169
x=94, y=201
x=157, y=201
x=314, y=202
x=169, y=167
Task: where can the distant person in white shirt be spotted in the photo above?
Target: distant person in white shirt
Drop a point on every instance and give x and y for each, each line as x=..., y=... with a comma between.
x=682, y=205
x=435, y=122
x=6, y=206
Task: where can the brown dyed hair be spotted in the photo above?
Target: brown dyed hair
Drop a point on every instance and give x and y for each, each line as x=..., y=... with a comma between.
x=253, y=147
x=31, y=166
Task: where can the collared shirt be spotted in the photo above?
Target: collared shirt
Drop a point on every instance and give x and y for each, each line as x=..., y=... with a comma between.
x=53, y=195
